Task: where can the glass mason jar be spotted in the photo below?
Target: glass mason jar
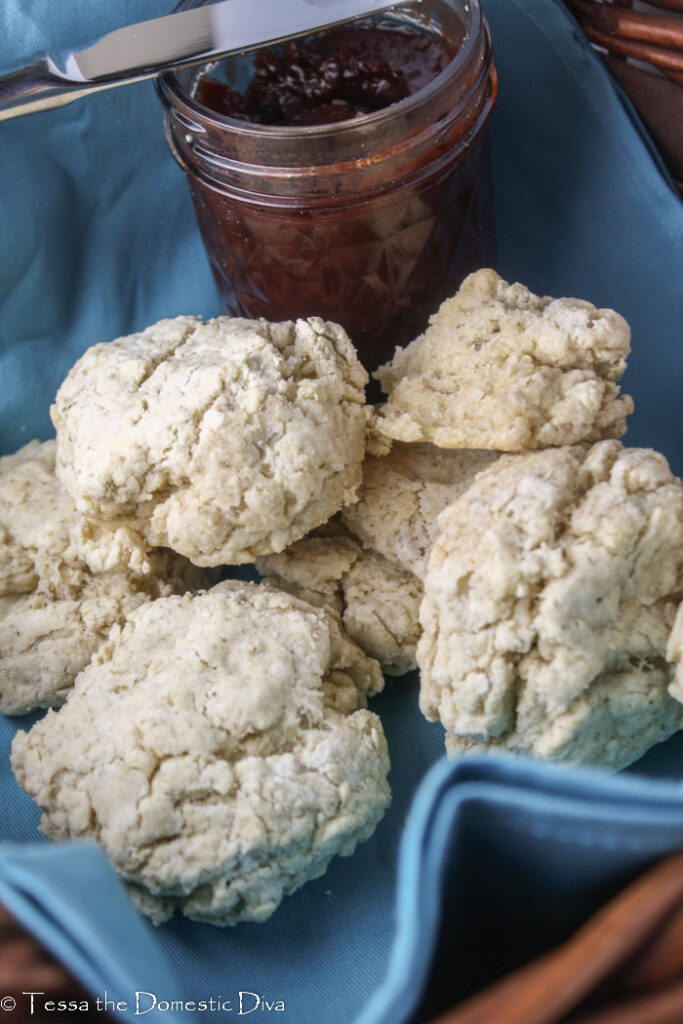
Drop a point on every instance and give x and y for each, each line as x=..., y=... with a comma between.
x=370, y=222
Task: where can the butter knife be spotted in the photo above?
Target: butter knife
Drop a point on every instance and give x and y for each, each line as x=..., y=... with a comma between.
x=177, y=40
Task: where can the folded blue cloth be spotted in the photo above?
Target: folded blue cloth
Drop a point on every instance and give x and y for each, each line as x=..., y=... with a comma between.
x=98, y=239
x=502, y=859
x=68, y=895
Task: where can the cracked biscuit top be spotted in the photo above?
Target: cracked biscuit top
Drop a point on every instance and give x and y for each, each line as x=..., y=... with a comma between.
x=504, y=369
x=377, y=600
x=550, y=594
x=221, y=440
x=218, y=749
x=402, y=494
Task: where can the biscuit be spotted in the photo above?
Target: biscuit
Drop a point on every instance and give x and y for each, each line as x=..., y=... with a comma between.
x=54, y=612
x=549, y=598
x=402, y=495
x=674, y=653
x=45, y=639
x=218, y=749
x=609, y=725
x=37, y=519
x=504, y=369
x=378, y=601
x=221, y=440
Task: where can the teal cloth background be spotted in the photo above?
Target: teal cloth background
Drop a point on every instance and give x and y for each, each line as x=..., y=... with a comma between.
x=98, y=239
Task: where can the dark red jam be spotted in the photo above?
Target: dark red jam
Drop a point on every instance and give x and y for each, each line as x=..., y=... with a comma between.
x=308, y=207
x=379, y=264
x=335, y=76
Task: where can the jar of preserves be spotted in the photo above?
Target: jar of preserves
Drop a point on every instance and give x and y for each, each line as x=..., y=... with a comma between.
x=365, y=207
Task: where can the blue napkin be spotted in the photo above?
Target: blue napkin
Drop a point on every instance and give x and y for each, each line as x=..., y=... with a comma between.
x=68, y=895
x=98, y=239
x=503, y=859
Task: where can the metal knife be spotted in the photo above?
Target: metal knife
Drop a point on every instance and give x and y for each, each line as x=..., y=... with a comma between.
x=178, y=40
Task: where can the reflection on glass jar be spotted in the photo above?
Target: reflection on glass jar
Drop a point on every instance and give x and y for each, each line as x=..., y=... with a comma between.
x=370, y=221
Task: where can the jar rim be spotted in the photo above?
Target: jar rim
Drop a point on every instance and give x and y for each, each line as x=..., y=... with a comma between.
x=170, y=89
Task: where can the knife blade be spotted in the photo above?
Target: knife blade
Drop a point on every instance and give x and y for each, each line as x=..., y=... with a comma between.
x=175, y=41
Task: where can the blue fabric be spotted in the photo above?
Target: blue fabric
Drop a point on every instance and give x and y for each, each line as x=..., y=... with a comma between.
x=98, y=238
x=46, y=886
x=502, y=859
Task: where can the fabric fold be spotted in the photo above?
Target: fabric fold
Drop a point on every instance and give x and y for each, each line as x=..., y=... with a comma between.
x=71, y=900
x=627, y=822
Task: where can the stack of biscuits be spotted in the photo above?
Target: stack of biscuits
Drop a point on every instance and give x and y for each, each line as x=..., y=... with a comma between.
x=484, y=524
x=214, y=739
x=547, y=557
